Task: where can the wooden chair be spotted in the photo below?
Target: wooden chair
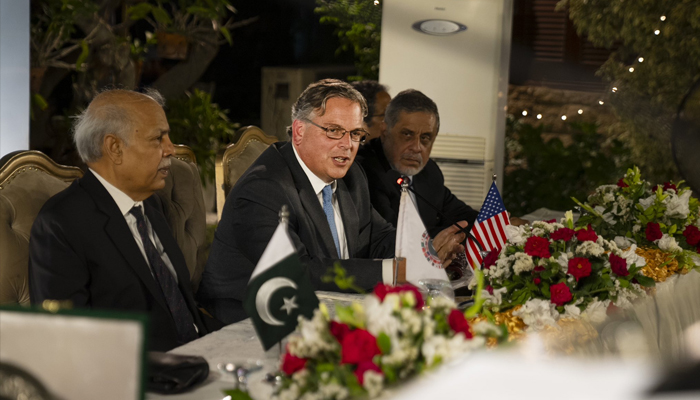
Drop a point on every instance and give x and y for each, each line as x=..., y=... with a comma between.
x=232, y=162
x=27, y=180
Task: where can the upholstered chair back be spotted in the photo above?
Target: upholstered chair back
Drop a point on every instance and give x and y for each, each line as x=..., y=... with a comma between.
x=232, y=162
x=27, y=180
x=183, y=206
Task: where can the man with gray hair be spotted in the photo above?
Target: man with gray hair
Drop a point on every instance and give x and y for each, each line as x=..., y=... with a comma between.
x=103, y=242
x=331, y=219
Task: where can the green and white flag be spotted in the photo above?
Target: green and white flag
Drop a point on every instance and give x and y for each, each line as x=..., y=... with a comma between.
x=279, y=290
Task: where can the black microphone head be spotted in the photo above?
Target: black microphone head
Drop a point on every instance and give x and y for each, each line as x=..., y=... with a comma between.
x=404, y=179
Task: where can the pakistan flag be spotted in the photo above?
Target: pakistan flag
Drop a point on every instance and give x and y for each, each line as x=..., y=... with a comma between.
x=279, y=290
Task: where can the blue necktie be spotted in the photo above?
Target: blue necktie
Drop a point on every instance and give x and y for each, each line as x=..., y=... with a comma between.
x=330, y=216
x=173, y=297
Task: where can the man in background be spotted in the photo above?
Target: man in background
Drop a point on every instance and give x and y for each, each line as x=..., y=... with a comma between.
x=377, y=99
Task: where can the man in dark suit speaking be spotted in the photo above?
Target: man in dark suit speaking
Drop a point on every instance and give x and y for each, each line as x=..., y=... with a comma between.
x=331, y=219
x=103, y=242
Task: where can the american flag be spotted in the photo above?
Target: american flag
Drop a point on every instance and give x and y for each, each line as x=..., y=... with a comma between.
x=489, y=229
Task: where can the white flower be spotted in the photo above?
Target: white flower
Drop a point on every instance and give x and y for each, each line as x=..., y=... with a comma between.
x=626, y=296
x=572, y=311
x=636, y=228
x=538, y=313
x=516, y=234
x=486, y=328
x=596, y=312
x=609, y=218
x=622, y=242
x=334, y=391
x=523, y=263
x=668, y=243
x=608, y=198
x=677, y=206
x=563, y=261
x=647, y=202
x=569, y=218
x=311, y=341
x=495, y=298
x=544, y=226
x=373, y=382
x=380, y=315
x=589, y=248
x=599, y=209
x=631, y=256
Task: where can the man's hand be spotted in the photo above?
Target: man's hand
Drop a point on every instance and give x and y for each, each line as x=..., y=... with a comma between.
x=447, y=243
x=515, y=221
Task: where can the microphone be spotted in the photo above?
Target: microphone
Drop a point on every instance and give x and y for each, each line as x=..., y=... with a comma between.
x=467, y=230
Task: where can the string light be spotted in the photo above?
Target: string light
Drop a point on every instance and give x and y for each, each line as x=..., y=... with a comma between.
x=656, y=32
x=640, y=59
x=631, y=69
x=601, y=102
x=663, y=18
x=539, y=116
x=614, y=89
x=580, y=111
x=524, y=113
x=563, y=117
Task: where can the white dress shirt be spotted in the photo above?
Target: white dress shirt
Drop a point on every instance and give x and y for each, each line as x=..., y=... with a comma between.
x=125, y=204
x=318, y=184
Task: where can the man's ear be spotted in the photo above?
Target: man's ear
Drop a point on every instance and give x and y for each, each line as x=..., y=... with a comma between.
x=113, y=147
x=298, y=130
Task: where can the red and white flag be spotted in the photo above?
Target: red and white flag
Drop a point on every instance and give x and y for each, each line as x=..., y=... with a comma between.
x=489, y=229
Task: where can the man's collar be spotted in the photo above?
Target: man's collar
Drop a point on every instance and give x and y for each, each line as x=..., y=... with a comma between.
x=317, y=183
x=124, y=202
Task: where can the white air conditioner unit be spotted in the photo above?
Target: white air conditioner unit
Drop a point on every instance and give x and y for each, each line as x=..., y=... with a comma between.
x=457, y=53
x=282, y=85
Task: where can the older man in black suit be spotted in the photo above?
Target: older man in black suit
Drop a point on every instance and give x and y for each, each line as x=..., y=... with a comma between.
x=412, y=124
x=103, y=243
x=331, y=218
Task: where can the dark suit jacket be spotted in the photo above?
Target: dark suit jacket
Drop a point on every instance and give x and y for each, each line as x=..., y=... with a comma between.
x=385, y=193
x=82, y=249
x=250, y=216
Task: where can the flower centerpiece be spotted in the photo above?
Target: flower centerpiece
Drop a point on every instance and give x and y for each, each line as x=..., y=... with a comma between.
x=659, y=222
x=390, y=337
x=549, y=272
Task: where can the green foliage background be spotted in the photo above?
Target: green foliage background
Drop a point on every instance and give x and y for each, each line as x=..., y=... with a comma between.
x=543, y=173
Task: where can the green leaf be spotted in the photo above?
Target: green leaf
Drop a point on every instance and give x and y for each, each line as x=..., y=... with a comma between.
x=39, y=101
x=237, y=394
x=645, y=281
x=161, y=16
x=384, y=343
x=227, y=35
x=624, y=283
x=139, y=11
x=389, y=373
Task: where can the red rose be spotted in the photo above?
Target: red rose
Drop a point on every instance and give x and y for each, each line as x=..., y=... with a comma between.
x=364, y=367
x=491, y=258
x=667, y=186
x=618, y=265
x=339, y=330
x=382, y=290
x=579, y=267
x=586, y=234
x=489, y=289
x=692, y=235
x=653, y=231
x=560, y=294
x=551, y=221
x=358, y=346
x=621, y=183
x=564, y=234
x=537, y=247
x=537, y=281
x=459, y=324
x=538, y=268
x=292, y=364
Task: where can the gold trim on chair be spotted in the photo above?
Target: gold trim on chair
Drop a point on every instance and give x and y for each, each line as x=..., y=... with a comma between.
x=35, y=160
x=185, y=153
x=223, y=158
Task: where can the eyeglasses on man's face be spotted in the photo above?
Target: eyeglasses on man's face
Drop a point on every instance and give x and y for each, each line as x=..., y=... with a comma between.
x=337, y=133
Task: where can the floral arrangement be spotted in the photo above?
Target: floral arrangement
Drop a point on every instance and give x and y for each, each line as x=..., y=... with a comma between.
x=549, y=271
x=659, y=222
x=390, y=337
